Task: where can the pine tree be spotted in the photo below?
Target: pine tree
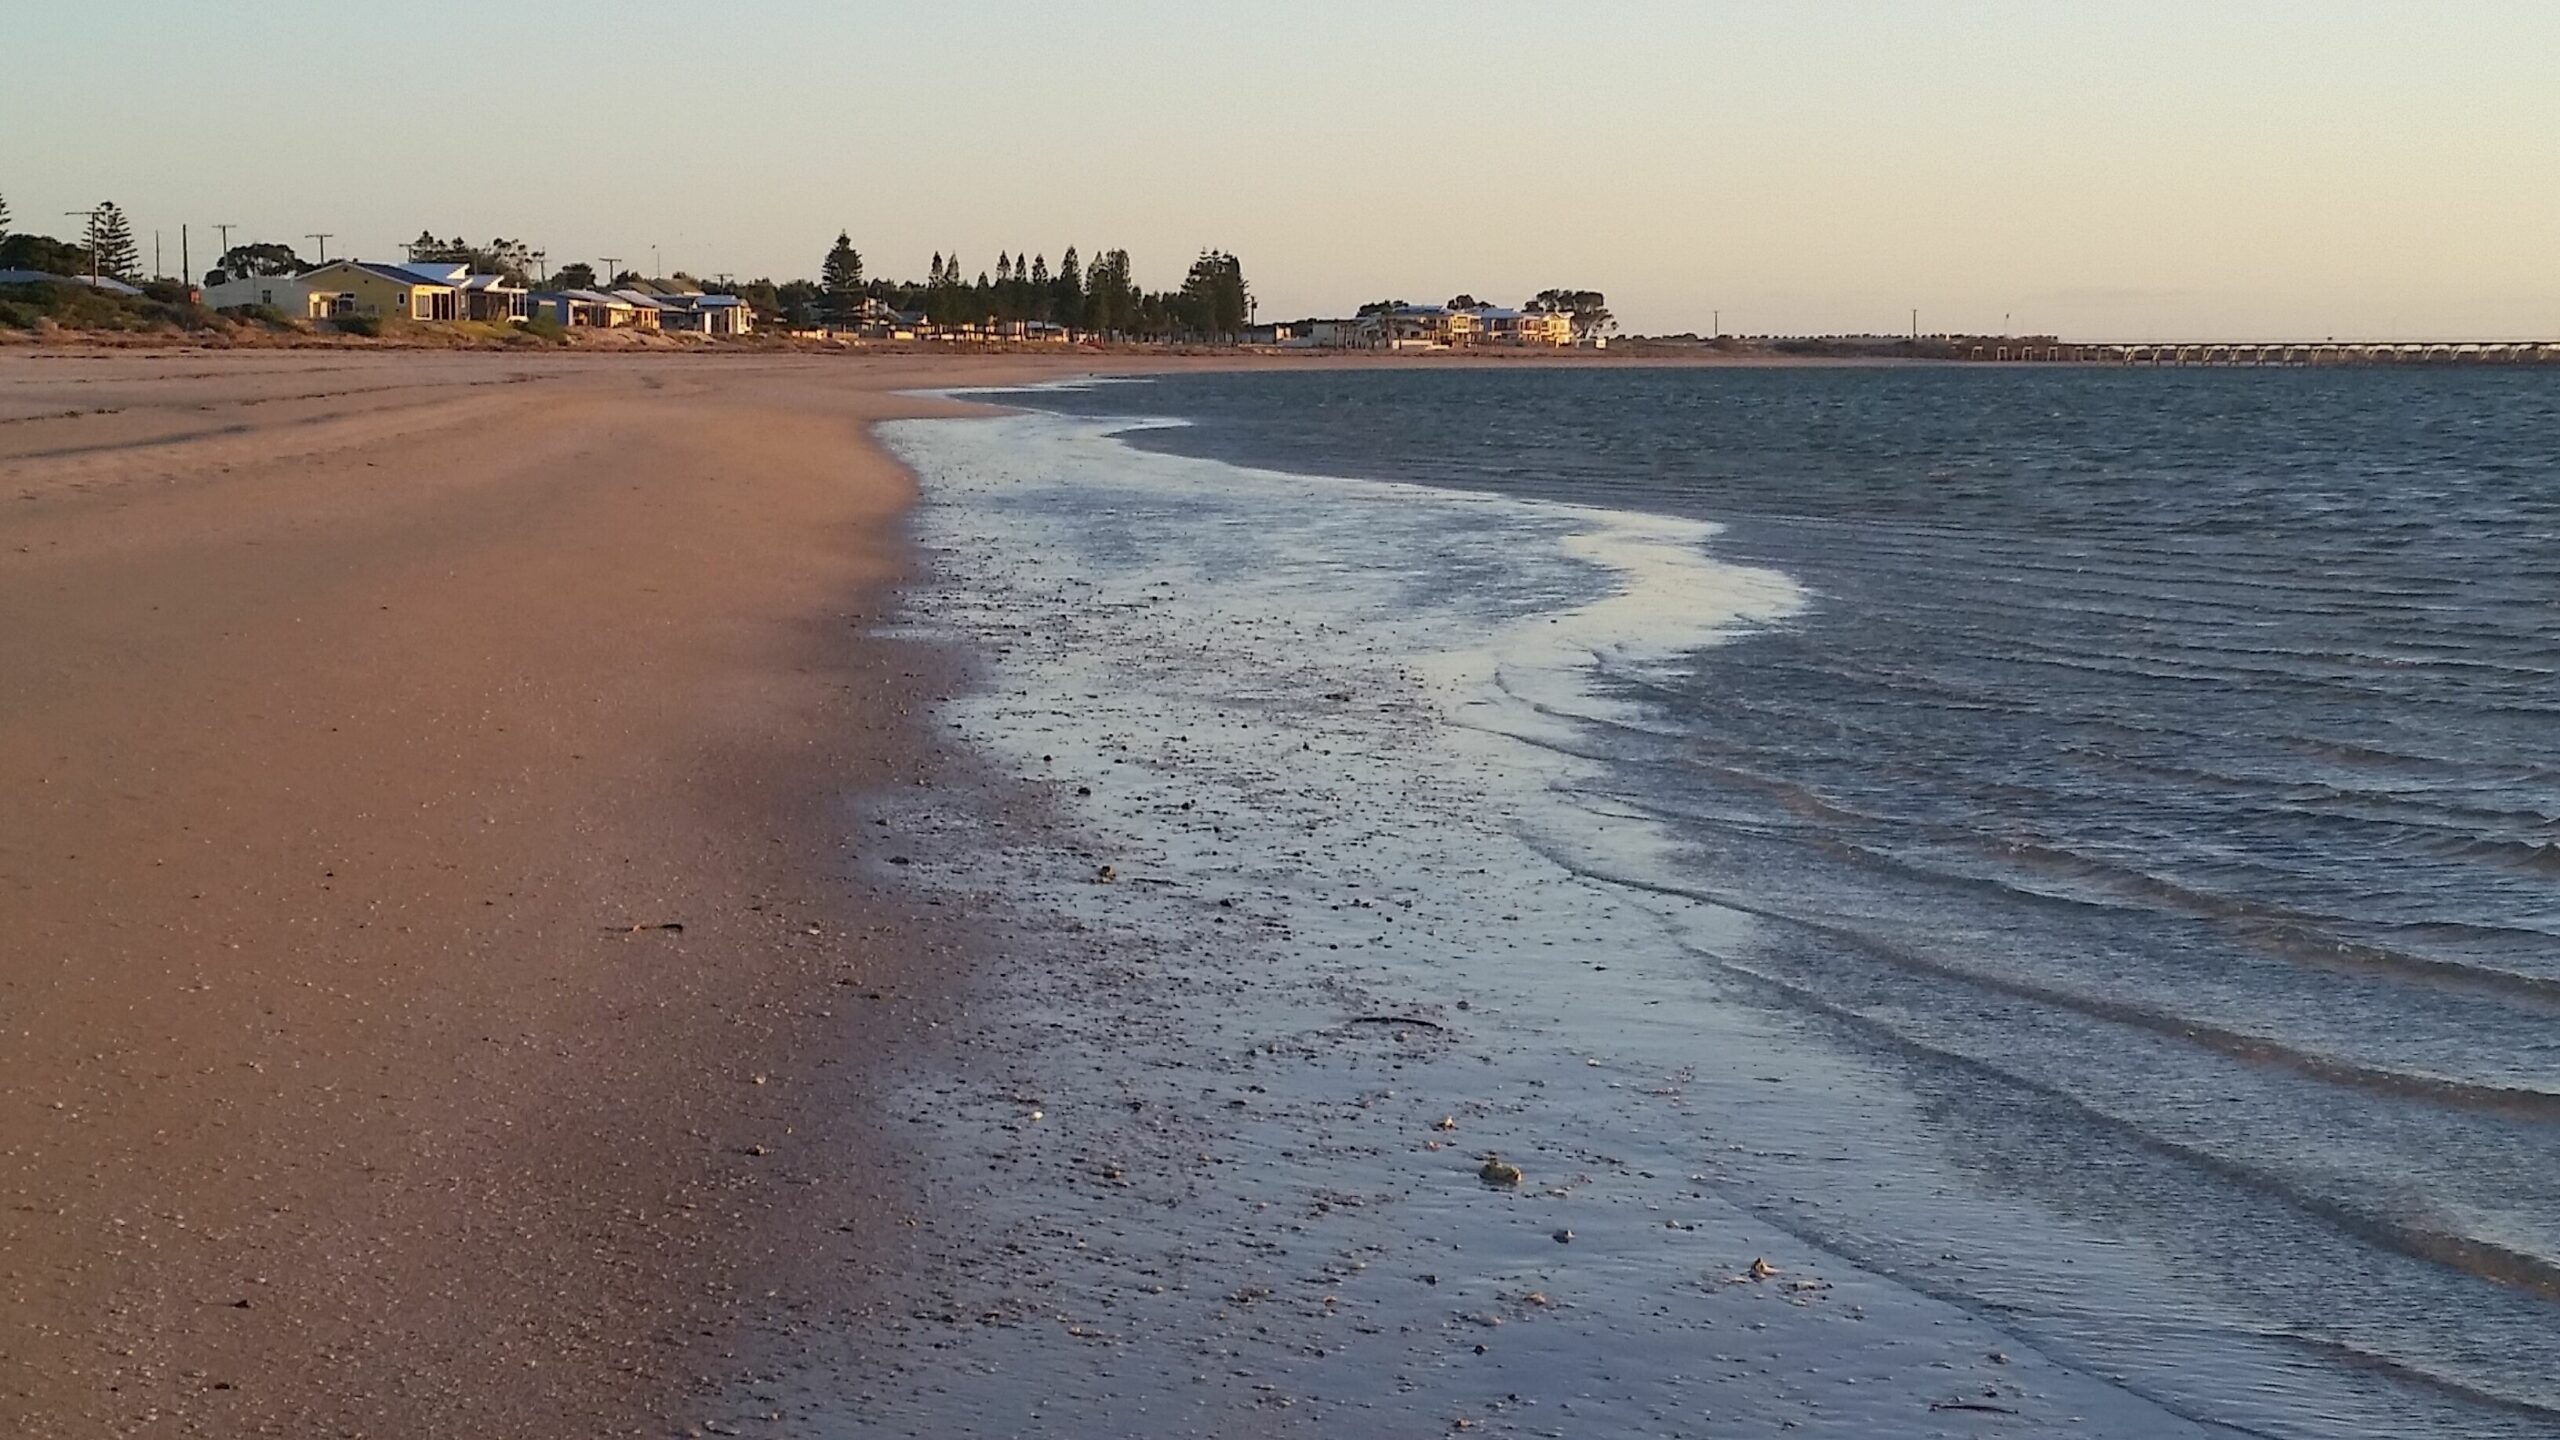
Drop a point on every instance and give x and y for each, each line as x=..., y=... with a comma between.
x=842, y=276
x=1067, y=298
x=1004, y=268
x=1111, y=293
x=111, y=246
x=4, y=217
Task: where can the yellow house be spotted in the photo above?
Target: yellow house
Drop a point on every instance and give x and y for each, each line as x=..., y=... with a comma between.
x=1528, y=327
x=1546, y=327
x=344, y=288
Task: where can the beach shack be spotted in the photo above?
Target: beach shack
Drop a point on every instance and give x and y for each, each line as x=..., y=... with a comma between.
x=648, y=312
x=581, y=309
x=701, y=314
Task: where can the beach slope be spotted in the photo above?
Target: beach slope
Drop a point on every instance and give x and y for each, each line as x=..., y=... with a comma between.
x=422, y=789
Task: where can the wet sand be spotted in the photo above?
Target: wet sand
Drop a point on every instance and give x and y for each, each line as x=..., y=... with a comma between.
x=428, y=918
x=1294, y=931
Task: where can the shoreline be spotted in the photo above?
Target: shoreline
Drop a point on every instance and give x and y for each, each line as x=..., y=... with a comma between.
x=1322, y=908
x=1349, y=917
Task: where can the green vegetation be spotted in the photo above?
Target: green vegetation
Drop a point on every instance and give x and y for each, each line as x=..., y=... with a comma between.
x=40, y=252
x=266, y=315
x=842, y=276
x=262, y=258
x=1589, y=309
x=75, y=306
x=1101, y=297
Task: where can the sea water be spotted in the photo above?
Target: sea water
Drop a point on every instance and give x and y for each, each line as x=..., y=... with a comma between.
x=2084, y=848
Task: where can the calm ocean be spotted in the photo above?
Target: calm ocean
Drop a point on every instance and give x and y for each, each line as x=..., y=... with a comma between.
x=2155, y=776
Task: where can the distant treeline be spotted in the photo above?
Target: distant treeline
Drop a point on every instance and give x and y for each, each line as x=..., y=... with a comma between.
x=1100, y=296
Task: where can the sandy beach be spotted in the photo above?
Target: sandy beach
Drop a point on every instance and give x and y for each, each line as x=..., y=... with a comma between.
x=424, y=883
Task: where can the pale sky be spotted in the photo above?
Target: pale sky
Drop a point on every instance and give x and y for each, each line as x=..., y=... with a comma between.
x=2141, y=168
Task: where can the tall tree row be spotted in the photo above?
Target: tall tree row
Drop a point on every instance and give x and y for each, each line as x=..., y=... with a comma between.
x=1098, y=296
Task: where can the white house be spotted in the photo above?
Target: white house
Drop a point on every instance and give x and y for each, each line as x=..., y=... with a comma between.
x=283, y=292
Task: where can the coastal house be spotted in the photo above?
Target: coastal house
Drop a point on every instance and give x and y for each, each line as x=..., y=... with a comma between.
x=582, y=309
x=1546, y=327
x=648, y=312
x=357, y=288
x=1406, y=327
x=701, y=314
x=288, y=293
x=1525, y=327
x=492, y=298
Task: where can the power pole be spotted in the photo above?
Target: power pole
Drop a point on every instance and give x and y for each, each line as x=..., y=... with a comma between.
x=226, y=236
x=609, y=262
x=321, y=237
x=158, y=272
x=185, y=266
x=657, y=271
x=1915, y=324
x=1717, y=326
x=89, y=214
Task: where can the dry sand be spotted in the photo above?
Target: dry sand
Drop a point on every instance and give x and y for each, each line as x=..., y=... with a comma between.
x=368, y=723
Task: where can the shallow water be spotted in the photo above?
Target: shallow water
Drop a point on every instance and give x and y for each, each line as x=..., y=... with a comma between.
x=2074, y=880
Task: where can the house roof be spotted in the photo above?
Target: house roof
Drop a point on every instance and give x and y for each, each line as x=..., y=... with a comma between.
x=108, y=283
x=585, y=297
x=393, y=273
x=638, y=301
